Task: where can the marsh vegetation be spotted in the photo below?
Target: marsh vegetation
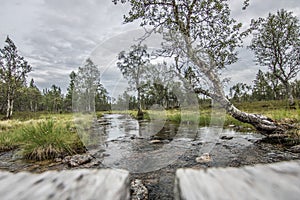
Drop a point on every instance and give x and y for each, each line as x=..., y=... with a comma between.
x=48, y=136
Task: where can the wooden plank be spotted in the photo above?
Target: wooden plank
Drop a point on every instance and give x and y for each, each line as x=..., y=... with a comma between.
x=261, y=182
x=67, y=185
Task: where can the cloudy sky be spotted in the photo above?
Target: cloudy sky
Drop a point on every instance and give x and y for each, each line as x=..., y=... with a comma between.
x=56, y=36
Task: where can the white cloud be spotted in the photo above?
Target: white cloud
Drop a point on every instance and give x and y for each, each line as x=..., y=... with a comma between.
x=57, y=36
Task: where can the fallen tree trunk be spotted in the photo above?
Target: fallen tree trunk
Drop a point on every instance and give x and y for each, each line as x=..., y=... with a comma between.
x=261, y=123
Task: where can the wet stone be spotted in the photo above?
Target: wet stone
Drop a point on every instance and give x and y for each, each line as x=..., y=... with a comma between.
x=156, y=141
x=138, y=190
x=226, y=137
x=196, y=143
x=77, y=160
x=295, y=149
x=204, y=158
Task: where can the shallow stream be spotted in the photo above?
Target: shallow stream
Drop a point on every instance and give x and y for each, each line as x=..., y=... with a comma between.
x=152, y=151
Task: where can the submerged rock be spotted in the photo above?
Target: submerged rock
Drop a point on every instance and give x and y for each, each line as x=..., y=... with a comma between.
x=204, y=158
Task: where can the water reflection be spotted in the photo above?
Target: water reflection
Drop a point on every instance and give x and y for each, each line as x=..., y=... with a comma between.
x=144, y=146
x=118, y=126
x=141, y=146
x=115, y=126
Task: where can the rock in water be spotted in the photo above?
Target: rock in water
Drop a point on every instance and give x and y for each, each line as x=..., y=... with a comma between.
x=204, y=158
x=155, y=141
x=295, y=149
x=226, y=137
x=77, y=160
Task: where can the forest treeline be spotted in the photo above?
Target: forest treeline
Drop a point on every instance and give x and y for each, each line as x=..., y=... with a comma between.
x=275, y=44
x=158, y=88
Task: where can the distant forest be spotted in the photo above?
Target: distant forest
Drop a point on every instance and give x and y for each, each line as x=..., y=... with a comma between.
x=28, y=97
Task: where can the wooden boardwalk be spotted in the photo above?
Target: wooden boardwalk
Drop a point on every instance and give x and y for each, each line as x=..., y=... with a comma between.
x=80, y=184
x=260, y=182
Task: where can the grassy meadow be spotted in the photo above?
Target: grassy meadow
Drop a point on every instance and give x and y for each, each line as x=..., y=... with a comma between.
x=42, y=136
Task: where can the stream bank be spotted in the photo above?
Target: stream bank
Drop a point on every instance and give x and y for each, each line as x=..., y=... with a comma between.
x=153, y=151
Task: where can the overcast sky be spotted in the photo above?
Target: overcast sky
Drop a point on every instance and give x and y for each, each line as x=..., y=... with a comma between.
x=56, y=36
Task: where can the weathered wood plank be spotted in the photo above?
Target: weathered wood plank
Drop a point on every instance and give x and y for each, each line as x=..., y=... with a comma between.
x=72, y=185
x=261, y=182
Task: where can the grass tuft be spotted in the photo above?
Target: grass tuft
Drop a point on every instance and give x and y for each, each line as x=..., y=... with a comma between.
x=48, y=140
x=8, y=141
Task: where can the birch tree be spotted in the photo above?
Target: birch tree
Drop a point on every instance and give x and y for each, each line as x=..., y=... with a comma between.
x=201, y=35
x=132, y=65
x=276, y=45
x=13, y=71
x=85, y=88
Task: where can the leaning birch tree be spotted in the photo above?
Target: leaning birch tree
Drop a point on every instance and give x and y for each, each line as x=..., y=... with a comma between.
x=202, y=35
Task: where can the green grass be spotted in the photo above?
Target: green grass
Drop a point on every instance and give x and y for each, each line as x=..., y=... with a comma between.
x=47, y=140
x=277, y=110
x=41, y=139
x=8, y=141
x=41, y=136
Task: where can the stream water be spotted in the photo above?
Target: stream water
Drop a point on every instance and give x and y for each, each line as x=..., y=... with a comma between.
x=152, y=151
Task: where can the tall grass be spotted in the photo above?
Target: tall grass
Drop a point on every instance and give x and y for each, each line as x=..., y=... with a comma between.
x=8, y=141
x=47, y=140
x=41, y=139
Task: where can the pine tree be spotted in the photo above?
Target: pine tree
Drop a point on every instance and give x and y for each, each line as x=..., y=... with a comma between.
x=70, y=90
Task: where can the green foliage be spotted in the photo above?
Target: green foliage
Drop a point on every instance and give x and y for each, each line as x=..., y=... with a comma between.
x=70, y=90
x=52, y=99
x=133, y=65
x=276, y=44
x=206, y=24
x=47, y=140
x=85, y=91
x=266, y=88
x=13, y=71
x=278, y=110
x=240, y=92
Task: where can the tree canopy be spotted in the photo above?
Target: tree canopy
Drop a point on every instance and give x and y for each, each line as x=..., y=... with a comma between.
x=88, y=92
x=276, y=44
x=133, y=67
